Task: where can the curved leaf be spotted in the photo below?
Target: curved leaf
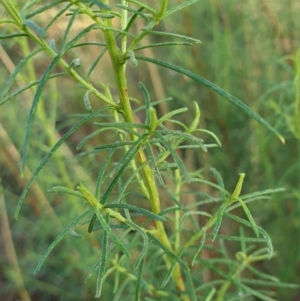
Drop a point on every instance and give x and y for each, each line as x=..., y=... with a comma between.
x=50, y=154
x=15, y=93
x=174, y=155
x=216, y=89
x=59, y=238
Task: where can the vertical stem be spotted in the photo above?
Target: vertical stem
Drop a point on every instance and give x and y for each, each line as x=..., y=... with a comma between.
x=147, y=172
x=177, y=212
x=124, y=24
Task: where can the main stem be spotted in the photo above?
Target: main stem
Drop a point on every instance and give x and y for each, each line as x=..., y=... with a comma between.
x=147, y=172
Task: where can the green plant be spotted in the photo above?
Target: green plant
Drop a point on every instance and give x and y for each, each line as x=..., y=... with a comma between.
x=149, y=167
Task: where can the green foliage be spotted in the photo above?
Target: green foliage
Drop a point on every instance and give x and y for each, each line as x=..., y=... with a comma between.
x=150, y=248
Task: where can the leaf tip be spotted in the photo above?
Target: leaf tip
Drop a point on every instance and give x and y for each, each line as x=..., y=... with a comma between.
x=281, y=139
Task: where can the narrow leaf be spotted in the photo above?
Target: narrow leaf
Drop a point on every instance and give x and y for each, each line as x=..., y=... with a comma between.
x=98, y=186
x=33, y=109
x=59, y=13
x=210, y=295
x=170, y=271
x=238, y=188
x=162, y=45
x=123, y=164
x=121, y=125
x=255, y=293
x=145, y=244
x=101, y=174
x=190, y=286
x=139, y=279
x=26, y=7
x=154, y=166
x=86, y=138
x=65, y=190
x=96, y=2
x=201, y=244
x=142, y=211
x=217, y=226
x=188, y=213
x=211, y=134
x=170, y=114
x=142, y=4
x=174, y=35
x=122, y=32
x=95, y=63
x=129, y=180
x=13, y=75
x=185, y=136
x=216, y=89
x=260, y=230
x=220, y=183
x=101, y=269
x=43, y=8
x=174, y=155
x=67, y=30
x=168, y=252
x=59, y=238
x=50, y=154
x=147, y=103
x=110, y=233
x=250, y=218
x=136, y=13
x=113, y=145
x=179, y=7
x=17, y=92
x=81, y=34
x=89, y=44
x=13, y=35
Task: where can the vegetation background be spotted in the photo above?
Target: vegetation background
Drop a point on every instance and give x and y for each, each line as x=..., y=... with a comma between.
x=250, y=48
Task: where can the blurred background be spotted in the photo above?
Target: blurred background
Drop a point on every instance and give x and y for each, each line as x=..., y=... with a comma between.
x=249, y=48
